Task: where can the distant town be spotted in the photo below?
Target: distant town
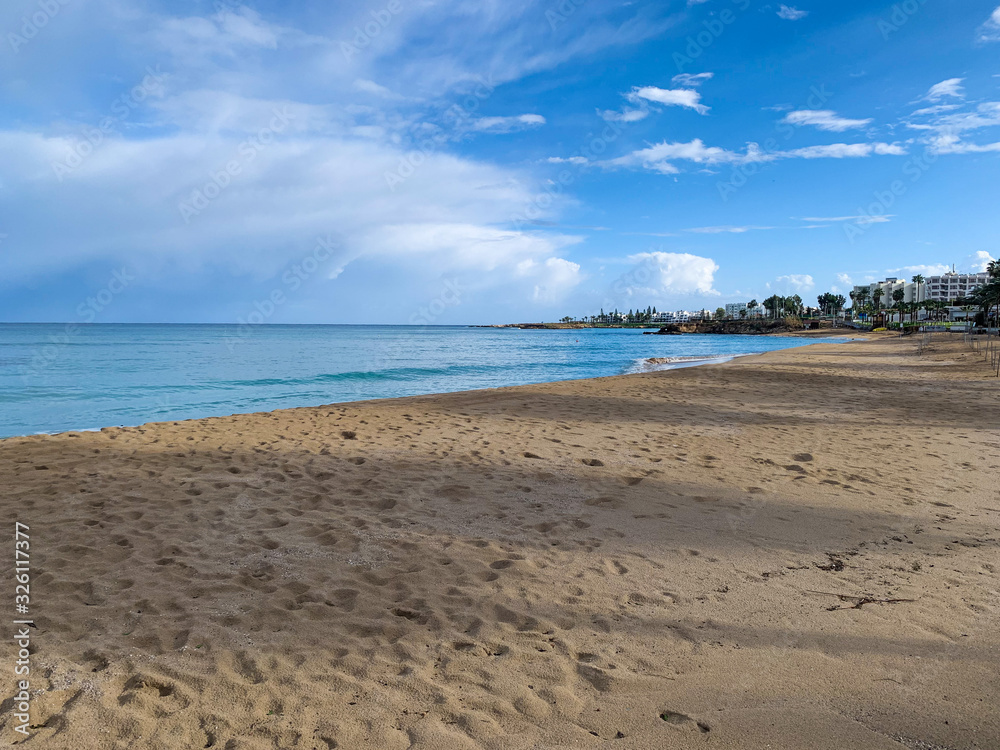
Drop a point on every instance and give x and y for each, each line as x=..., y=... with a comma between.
x=950, y=298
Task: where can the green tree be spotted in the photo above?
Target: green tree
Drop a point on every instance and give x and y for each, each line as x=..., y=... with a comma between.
x=720, y=313
x=987, y=296
x=830, y=303
x=897, y=298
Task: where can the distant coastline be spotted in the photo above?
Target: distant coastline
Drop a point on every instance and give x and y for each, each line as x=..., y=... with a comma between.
x=756, y=327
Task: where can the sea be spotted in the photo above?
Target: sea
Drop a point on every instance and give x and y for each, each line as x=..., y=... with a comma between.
x=57, y=377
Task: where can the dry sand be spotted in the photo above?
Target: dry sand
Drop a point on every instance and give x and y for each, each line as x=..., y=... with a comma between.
x=645, y=561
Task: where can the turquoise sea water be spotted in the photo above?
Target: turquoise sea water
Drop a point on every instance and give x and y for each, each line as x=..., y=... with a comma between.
x=55, y=378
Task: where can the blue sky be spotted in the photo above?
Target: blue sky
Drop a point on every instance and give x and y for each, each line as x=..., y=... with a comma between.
x=460, y=161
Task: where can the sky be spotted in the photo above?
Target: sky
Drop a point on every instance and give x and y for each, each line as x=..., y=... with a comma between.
x=485, y=161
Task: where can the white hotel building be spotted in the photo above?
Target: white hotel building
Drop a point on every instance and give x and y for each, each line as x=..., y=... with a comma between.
x=951, y=286
x=733, y=310
x=911, y=292
x=943, y=288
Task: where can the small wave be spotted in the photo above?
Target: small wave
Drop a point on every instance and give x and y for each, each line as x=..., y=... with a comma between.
x=654, y=364
x=399, y=373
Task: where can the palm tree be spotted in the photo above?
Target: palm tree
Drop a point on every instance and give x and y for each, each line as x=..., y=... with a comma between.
x=897, y=297
x=918, y=280
x=751, y=306
x=877, y=299
x=862, y=297
x=987, y=296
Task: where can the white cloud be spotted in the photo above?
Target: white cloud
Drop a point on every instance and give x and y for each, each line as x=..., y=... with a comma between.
x=669, y=97
x=990, y=30
x=908, y=272
x=945, y=127
x=689, y=79
x=553, y=278
x=791, y=14
x=879, y=219
x=627, y=115
x=660, y=157
x=725, y=229
x=121, y=206
x=579, y=160
x=506, y=124
x=936, y=110
x=952, y=144
x=798, y=283
x=672, y=273
x=644, y=96
x=370, y=87
x=824, y=119
x=951, y=87
x=845, y=151
x=980, y=259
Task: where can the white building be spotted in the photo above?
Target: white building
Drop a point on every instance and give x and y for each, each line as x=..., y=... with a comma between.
x=736, y=310
x=953, y=285
x=681, y=316
x=911, y=292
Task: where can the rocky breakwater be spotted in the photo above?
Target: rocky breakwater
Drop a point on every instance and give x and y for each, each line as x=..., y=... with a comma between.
x=747, y=327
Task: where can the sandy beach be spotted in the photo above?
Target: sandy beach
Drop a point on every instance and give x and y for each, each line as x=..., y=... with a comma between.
x=790, y=550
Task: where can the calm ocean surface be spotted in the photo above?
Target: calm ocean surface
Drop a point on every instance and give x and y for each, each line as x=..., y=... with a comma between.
x=54, y=379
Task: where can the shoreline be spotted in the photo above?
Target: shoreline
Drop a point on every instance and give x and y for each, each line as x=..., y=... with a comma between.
x=695, y=361
x=797, y=549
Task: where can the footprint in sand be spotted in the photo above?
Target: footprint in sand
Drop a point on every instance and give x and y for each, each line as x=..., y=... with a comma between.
x=683, y=720
x=152, y=696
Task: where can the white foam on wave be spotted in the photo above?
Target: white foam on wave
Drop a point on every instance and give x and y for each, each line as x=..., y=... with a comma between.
x=655, y=364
